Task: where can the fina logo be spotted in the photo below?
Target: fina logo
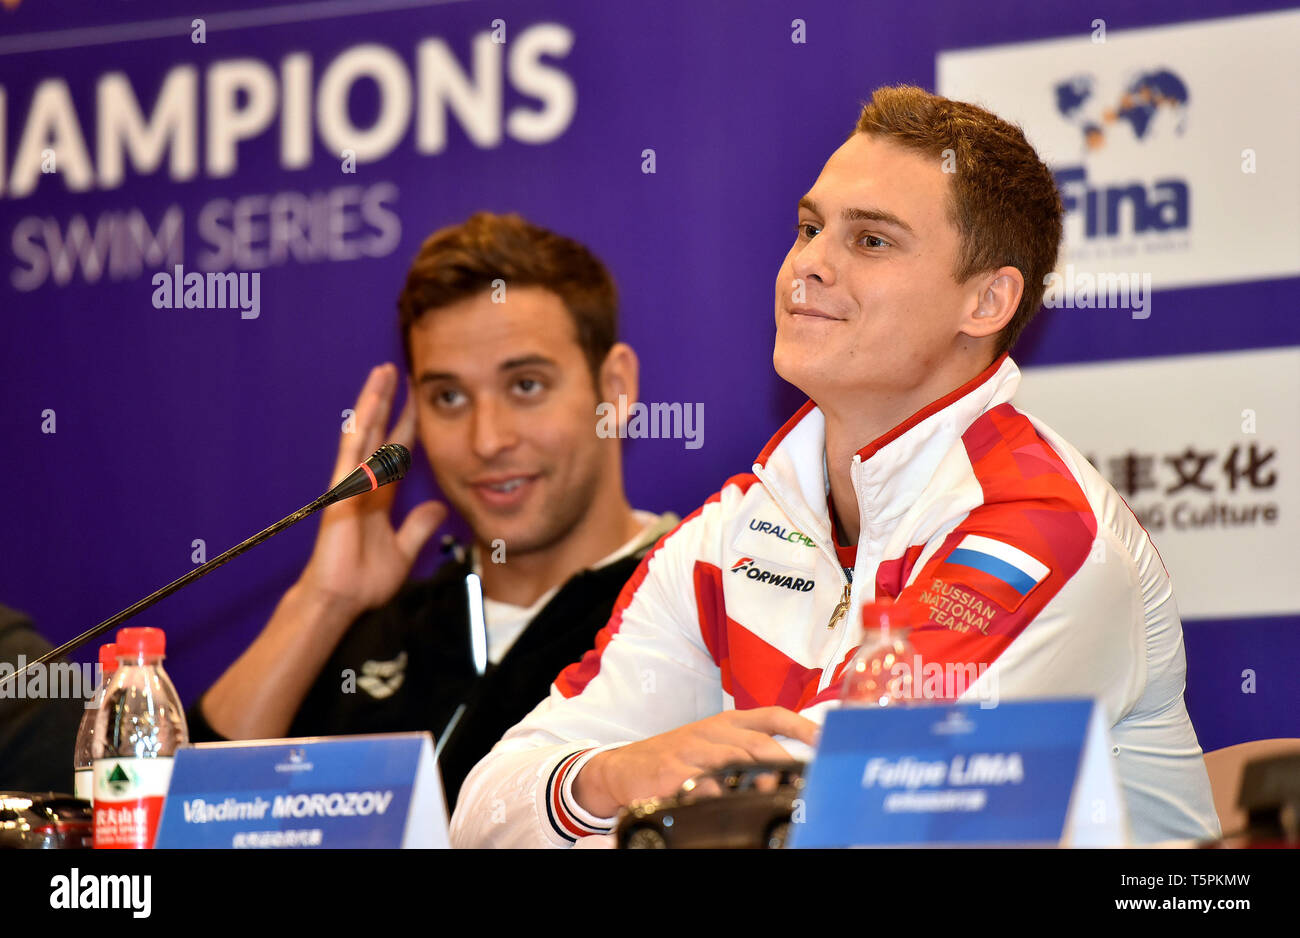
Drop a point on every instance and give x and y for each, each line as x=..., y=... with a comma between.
x=1146, y=101
x=297, y=762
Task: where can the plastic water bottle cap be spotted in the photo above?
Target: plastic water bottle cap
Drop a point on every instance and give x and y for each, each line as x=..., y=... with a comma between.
x=108, y=658
x=134, y=642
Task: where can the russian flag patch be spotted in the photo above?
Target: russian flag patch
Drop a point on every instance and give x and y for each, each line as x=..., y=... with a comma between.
x=1001, y=572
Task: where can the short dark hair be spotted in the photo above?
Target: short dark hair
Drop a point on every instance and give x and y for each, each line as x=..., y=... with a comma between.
x=461, y=261
x=1004, y=202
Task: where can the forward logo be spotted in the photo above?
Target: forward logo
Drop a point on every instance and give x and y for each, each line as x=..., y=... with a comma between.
x=746, y=565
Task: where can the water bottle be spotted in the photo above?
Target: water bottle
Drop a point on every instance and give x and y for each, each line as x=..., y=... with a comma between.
x=83, y=757
x=139, y=727
x=880, y=674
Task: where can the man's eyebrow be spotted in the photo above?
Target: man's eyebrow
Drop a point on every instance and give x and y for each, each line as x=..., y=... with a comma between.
x=862, y=214
x=509, y=364
x=526, y=360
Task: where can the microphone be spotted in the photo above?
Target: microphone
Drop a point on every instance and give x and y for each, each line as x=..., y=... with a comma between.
x=386, y=464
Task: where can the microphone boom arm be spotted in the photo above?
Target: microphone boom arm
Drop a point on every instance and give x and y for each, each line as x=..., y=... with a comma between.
x=392, y=459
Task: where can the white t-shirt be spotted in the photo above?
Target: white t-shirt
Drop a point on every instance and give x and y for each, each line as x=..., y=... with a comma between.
x=506, y=622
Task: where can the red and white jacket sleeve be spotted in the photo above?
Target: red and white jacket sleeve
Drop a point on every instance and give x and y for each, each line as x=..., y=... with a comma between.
x=649, y=672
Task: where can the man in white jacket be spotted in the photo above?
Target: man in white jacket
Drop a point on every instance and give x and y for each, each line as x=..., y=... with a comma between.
x=920, y=255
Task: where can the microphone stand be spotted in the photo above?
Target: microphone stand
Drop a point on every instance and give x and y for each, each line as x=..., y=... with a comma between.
x=362, y=479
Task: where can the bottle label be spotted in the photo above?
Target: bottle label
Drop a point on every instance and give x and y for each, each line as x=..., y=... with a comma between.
x=128, y=798
x=83, y=783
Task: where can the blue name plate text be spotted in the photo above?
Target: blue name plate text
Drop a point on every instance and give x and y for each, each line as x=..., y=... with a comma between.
x=1032, y=772
x=323, y=792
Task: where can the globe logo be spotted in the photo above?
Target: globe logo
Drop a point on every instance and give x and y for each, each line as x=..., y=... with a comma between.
x=1138, y=105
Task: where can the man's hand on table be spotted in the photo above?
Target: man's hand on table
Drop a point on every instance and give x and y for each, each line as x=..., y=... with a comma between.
x=657, y=767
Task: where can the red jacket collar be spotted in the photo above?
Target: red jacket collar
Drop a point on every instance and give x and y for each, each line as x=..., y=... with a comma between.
x=930, y=409
x=885, y=439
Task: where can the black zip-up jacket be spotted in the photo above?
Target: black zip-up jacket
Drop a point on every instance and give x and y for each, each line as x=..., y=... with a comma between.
x=37, y=736
x=428, y=622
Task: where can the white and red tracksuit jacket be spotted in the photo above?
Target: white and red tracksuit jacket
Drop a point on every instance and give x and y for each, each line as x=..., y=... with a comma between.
x=1005, y=546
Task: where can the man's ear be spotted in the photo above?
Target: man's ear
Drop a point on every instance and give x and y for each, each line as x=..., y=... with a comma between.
x=619, y=379
x=1000, y=293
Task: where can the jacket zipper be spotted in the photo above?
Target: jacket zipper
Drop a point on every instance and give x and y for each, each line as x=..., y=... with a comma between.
x=842, y=607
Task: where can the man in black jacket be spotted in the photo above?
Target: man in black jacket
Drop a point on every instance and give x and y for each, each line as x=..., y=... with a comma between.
x=510, y=335
x=37, y=735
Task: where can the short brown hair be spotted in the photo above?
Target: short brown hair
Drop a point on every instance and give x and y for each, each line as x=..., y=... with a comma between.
x=460, y=261
x=1003, y=200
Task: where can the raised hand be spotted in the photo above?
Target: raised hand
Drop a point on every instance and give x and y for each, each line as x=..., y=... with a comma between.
x=360, y=560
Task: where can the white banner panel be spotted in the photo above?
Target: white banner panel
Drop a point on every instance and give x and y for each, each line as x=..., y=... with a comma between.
x=1174, y=147
x=1206, y=451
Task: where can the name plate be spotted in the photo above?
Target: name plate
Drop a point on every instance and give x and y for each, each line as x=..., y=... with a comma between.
x=379, y=791
x=1023, y=773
